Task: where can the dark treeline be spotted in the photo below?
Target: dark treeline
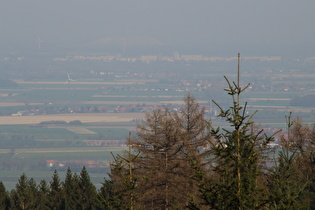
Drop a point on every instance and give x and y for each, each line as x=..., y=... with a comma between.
x=179, y=160
x=75, y=192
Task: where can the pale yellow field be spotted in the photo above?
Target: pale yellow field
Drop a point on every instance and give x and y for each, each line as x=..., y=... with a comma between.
x=279, y=107
x=17, y=104
x=137, y=102
x=157, y=96
x=86, y=83
x=84, y=118
x=269, y=99
x=57, y=150
x=79, y=130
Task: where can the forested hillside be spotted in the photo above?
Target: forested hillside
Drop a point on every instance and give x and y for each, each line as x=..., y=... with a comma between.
x=180, y=160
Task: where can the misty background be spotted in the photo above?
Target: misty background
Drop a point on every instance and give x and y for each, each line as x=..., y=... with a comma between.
x=88, y=58
x=216, y=27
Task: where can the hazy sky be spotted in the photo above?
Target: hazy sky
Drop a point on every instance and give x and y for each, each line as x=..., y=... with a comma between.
x=286, y=24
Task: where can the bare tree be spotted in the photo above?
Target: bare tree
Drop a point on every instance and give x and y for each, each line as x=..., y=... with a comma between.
x=169, y=144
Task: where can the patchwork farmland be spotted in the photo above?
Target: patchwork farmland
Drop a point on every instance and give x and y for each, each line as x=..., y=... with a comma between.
x=46, y=125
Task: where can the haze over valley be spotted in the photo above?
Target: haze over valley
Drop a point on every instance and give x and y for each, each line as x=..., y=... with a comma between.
x=78, y=76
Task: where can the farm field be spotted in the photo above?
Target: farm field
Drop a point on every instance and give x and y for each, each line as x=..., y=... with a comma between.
x=83, y=117
x=63, y=135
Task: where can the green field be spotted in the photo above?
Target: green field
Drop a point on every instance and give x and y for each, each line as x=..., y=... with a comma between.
x=19, y=136
x=33, y=162
x=32, y=158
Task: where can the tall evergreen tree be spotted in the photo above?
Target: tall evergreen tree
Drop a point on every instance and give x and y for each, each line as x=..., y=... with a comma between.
x=25, y=196
x=236, y=160
x=43, y=195
x=33, y=193
x=289, y=179
x=88, y=194
x=4, y=197
x=110, y=196
x=287, y=186
x=310, y=158
x=71, y=190
x=78, y=191
x=19, y=195
x=56, y=197
x=121, y=190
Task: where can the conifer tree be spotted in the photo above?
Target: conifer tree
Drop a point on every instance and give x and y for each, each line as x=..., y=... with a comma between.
x=33, y=192
x=121, y=190
x=43, y=195
x=4, y=197
x=168, y=143
x=109, y=197
x=236, y=159
x=19, y=195
x=288, y=180
x=88, y=195
x=71, y=190
x=56, y=198
x=286, y=184
x=195, y=134
x=25, y=196
x=78, y=191
x=311, y=163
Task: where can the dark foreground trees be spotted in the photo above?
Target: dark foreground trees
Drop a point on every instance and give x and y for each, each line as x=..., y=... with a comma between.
x=4, y=197
x=76, y=192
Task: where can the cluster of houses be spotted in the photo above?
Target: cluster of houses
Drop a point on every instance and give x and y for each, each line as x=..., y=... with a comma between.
x=44, y=110
x=129, y=108
x=63, y=165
